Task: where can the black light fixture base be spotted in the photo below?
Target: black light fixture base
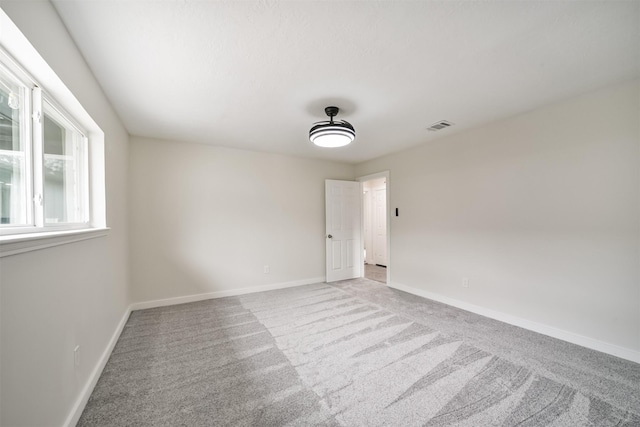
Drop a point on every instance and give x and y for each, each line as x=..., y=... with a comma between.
x=331, y=111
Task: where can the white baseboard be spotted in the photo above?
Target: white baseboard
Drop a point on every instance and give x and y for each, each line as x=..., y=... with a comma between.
x=81, y=401
x=604, y=347
x=221, y=294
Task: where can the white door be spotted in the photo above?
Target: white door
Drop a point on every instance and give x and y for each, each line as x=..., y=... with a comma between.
x=344, y=251
x=380, y=225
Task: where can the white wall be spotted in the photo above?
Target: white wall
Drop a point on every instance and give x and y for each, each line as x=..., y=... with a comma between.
x=75, y=294
x=541, y=212
x=207, y=219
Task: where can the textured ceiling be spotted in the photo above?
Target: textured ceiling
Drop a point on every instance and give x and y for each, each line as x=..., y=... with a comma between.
x=257, y=74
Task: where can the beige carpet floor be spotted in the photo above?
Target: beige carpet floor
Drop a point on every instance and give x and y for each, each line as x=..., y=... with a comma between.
x=354, y=353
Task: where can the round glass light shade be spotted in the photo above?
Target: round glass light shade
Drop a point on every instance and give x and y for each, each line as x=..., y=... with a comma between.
x=332, y=134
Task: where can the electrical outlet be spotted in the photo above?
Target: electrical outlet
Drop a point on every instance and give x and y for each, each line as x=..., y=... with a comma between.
x=465, y=282
x=76, y=356
x=266, y=269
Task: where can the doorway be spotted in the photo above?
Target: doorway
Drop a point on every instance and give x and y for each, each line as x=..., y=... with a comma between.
x=375, y=224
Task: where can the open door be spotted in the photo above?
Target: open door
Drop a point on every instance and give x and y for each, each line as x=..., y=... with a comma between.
x=343, y=240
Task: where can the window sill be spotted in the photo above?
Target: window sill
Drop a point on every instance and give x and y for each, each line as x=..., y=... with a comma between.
x=17, y=244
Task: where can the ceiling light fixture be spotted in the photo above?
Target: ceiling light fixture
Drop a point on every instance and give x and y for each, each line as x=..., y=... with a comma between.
x=330, y=133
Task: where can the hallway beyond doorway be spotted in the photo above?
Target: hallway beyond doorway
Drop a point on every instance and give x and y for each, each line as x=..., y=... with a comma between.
x=375, y=272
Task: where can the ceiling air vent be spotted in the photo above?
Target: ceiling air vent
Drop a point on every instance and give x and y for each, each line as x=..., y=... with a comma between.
x=442, y=124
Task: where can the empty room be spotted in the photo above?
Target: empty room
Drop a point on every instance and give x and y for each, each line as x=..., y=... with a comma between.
x=331, y=213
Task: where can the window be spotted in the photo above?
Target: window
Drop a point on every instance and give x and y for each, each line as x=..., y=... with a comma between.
x=65, y=164
x=13, y=150
x=52, y=154
x=44, y=162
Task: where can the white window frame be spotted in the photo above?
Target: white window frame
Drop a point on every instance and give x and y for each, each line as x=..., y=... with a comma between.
x=23, y=61
x=26, y=131
x=58, y=115
x=35, y=158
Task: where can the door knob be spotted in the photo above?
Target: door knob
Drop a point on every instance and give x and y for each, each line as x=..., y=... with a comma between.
x=330, y=236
